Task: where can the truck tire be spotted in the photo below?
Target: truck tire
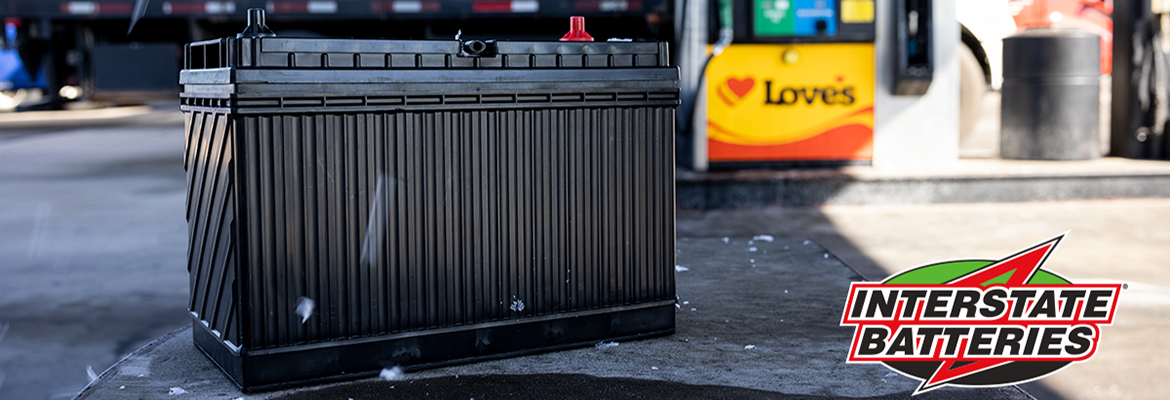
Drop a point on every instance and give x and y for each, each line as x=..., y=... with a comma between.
x=972, y=86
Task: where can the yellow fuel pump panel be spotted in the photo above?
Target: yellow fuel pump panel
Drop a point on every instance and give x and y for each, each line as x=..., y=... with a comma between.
x=791, y=102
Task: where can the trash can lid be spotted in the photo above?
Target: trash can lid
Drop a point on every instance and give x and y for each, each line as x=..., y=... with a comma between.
x=1051, y=52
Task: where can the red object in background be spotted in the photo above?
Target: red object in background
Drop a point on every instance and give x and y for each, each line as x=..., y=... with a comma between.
x=577, y=31
x=1095, y=16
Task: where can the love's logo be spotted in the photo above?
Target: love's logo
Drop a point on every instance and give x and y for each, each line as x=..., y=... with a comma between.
x=735, y=89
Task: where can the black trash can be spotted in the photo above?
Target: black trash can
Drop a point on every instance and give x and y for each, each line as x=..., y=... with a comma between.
x=359, y=204
x=1051, y=95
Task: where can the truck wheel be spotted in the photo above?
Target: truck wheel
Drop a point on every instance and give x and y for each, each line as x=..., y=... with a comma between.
x=971, y=88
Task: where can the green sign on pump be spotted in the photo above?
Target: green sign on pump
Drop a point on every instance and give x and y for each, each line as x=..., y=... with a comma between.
x=774, y=18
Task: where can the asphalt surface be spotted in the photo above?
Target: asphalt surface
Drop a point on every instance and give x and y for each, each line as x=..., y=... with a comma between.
x=92, y=245
x=92, y=255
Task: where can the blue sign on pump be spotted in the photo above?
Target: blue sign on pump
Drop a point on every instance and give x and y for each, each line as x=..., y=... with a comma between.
x=795, y=17
x=815, y=17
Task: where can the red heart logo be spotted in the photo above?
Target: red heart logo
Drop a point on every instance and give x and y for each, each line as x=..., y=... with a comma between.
x=740, y=87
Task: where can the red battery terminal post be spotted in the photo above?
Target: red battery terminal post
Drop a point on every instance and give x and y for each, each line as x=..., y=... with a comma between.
x=577, y=31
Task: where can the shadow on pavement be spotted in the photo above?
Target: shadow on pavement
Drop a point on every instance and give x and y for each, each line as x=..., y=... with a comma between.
x=563, y=386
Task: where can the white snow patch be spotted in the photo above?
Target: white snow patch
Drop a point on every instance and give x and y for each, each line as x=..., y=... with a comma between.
x=749, y=347
x=752, y=260
x=122, y=387
x=692, y=309
x=392, y=374
x=605, y=345
x=517, y=305
x=806, y=242
x=177, y=390
x=686, y=302
x=751, y=242
x=785, y=290
x=654, y=368
x=234, y=348
x=92, y=375
x=679, y=268
x=726, y=239
x=305, y=307
x=766, y=238
x=826, y=255
x=752, y=249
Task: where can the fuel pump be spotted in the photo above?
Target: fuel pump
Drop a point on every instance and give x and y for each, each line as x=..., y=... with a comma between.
x=796, y=84
x=915, y=67
x=1149, y=116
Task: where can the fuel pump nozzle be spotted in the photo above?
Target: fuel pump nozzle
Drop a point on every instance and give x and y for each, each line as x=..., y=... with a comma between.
x=725, y=31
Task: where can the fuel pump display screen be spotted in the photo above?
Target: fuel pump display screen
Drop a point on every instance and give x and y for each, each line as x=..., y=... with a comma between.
x=795, y=17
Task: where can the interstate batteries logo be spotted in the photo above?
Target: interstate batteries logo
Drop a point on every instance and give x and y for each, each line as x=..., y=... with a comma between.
x=978, y=322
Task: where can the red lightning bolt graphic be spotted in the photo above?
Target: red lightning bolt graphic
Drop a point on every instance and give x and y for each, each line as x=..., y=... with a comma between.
x=1022, y=266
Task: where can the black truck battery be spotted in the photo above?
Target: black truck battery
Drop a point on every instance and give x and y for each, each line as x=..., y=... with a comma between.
x=355, y=205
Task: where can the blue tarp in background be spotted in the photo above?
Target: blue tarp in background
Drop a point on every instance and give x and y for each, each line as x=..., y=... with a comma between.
x=12, y=73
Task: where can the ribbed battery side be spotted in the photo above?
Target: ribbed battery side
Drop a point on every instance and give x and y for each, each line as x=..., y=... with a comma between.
x=407, y=221
x=212, y=255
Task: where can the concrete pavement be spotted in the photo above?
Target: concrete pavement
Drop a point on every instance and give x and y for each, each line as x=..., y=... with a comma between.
x=1122, y=240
